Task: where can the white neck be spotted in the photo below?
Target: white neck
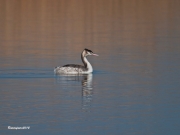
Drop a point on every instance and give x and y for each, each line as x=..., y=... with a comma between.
x=89, y=67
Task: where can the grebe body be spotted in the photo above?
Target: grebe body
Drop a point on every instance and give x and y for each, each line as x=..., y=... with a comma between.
x=77, y=69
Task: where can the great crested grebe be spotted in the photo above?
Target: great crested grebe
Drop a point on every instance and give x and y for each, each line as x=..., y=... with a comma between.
x=77, y=69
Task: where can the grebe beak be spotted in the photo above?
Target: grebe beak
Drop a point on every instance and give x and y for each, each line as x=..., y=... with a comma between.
x=95, y=54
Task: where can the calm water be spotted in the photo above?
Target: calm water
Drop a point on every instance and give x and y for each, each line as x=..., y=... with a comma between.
x=135, y=86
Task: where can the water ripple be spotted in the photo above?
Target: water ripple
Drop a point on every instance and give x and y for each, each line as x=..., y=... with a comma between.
x=26, y=73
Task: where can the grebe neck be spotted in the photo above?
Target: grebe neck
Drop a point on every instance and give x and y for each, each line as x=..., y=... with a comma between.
x=86, y=63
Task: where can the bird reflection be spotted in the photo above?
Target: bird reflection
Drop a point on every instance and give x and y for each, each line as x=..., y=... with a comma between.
x=87, y=88
x=87, y=91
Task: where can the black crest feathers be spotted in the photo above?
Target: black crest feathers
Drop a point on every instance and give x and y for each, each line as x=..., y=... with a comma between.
x=88, y=50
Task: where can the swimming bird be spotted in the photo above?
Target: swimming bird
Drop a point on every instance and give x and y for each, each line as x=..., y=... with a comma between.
x=77, y=69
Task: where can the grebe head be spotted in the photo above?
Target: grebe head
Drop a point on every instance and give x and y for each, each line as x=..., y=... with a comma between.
x=87, y=52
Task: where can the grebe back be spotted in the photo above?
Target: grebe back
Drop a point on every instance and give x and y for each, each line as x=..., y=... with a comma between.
x=77, y=69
